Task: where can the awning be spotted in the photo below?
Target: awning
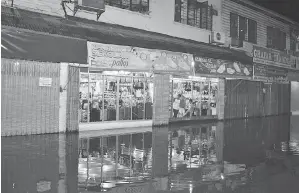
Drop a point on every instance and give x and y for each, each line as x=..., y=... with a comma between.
x=114, y=34
x=18, y=43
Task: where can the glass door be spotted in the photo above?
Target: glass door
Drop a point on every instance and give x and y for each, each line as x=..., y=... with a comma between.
x=125, y=98
x=138, y=99
x=110, y=98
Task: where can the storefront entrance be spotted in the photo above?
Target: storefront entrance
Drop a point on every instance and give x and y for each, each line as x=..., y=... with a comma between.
x=193, y=97
x=115, y=95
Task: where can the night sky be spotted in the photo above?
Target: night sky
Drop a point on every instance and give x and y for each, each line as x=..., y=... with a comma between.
x=288, y=8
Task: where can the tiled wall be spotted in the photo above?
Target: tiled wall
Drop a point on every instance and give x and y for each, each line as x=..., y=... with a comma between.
x=161, y=100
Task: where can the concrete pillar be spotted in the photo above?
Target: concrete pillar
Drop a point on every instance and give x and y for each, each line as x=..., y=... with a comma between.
x=219, y=141
x=62, y=164
x=63, y=97
x=221, y=99
x=295, y=98
x=161, y=99
x=160, y=151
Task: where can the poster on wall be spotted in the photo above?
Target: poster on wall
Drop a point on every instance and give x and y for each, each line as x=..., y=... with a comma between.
x=273, y=57
x=108, y=56
x=221, y=67
x=270, y=73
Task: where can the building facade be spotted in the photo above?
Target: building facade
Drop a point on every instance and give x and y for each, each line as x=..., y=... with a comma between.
x=141, y=55
x=272, y=42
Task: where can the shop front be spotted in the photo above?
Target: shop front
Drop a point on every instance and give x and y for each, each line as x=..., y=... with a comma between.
x=274, y=89
x=204, y=89
x=271, y=69
x=118, y=84
x=37, y=97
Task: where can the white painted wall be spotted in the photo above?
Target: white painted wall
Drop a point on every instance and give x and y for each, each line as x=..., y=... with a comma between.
x=160, y=18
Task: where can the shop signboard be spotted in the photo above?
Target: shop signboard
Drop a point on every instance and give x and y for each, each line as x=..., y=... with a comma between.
x=273, y=57
x=270, y=73
x=115, y=57
x=221, y=67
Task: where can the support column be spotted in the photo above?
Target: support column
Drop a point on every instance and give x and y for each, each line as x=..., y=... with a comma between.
x=63, y=97
x=221, y=99
x=159, y=151
x=161, y=99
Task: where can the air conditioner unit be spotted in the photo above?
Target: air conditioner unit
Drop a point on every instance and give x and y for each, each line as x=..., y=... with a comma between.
x=97, y=6
x=92, y=4
x=218, y=37
x=235, y=42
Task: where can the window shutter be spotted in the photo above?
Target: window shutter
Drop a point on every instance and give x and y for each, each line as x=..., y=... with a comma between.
x=210, y=18
x=177, y=10
x=242, y=28
x=191, y=12
x=204, y=15
x=252, y=31
x=233, y=25
x=283, y=41
x=184, y=12
x=270, y=35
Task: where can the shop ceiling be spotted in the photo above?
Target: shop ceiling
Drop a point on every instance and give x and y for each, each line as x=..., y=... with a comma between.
x=113, y=34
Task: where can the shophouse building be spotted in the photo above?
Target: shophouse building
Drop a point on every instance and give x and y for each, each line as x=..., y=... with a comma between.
x=124, y=63
x=272, y=42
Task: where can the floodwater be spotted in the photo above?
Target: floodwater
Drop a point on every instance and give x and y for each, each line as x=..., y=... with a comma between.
x=250, y=156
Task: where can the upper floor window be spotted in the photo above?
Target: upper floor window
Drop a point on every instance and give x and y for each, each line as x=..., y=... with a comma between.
x=141, y=6
x=276, y=39
x=243, y=28
x=191, y=12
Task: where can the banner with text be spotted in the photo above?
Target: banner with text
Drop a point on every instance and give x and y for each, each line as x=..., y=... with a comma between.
x=221, y=67
x=115, y=57
x=273, y=57
x=270, y=73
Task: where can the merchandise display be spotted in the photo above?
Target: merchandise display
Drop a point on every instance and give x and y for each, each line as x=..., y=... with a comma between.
x=115, y=97
x=193, y=97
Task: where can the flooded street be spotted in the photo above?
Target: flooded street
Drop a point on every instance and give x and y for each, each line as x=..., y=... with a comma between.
x=254, y=156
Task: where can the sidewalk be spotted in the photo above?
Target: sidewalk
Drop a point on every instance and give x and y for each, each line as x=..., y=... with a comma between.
x=114, y=128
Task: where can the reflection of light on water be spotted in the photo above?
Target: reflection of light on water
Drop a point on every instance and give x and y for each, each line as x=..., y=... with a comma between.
x=222, y=176
x=190, y=188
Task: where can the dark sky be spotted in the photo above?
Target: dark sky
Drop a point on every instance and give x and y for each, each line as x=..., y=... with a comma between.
x=288, y=8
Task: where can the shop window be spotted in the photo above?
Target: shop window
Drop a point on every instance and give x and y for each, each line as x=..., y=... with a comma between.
x=243, y=28
x=276, y=39
x=114, y=97
x=141, y=6
x=193, y=13
x=193, y=98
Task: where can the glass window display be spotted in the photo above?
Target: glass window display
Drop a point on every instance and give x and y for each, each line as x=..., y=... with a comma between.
x=193, y=97
x=115, y=96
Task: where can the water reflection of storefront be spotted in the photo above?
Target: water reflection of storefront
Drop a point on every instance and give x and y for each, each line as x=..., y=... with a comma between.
x=120, y=81
x=107, y=161
x=193, y=147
